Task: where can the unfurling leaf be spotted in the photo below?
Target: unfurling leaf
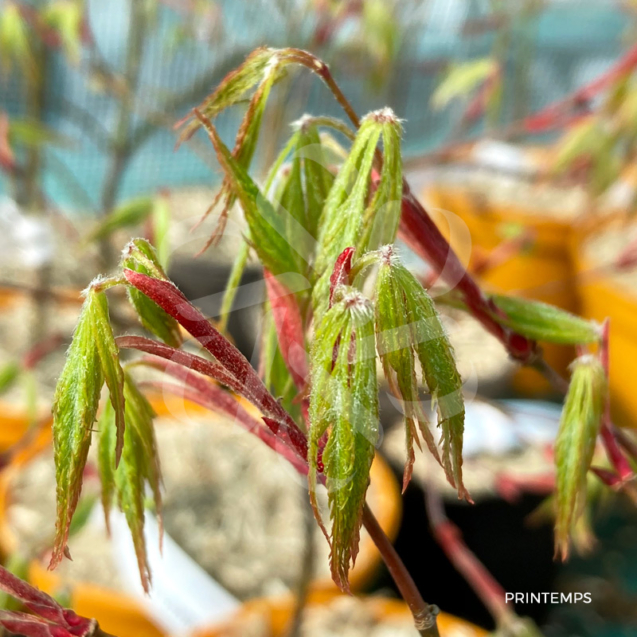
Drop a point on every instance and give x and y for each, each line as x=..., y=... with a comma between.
x=408, y=320
x=396, y=349
x=233, y=89
x=344, y=406
x=347, y=219
x=544, y=322
x=575, y=444
x=130, y=213
x=77, y=396
x=92, y=359
x=139, y=466
x=140, y=256
x=109, y=359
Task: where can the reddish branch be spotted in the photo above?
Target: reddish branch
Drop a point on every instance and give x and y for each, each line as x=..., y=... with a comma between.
x=466, y=563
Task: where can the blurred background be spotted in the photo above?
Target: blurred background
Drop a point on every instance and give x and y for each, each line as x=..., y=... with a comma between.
x=520, y=125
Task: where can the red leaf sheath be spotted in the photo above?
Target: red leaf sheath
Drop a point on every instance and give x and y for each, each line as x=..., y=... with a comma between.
x=289, y=329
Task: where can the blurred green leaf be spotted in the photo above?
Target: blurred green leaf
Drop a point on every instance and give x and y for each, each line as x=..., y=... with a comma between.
x=33, y=133
x=575, y=444
x=462, y=80
x=15, y=46
x=544, y=322
x=130, y=213
x=65, y=17
x=8, y=375
x=161, y=229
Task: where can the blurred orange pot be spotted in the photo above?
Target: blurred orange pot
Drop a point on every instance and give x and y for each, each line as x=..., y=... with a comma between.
x=275, y=615
x=542, y=271
x=604, y=296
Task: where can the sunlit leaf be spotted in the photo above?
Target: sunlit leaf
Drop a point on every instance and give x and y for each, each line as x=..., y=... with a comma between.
x=139, y=466
x=544, y=322
x=575, y=444
x=77, y=396
x=344, y=405
x=438, y=368
x=268, y=227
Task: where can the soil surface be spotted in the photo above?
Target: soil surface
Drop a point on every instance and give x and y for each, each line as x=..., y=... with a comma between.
x=230, y=502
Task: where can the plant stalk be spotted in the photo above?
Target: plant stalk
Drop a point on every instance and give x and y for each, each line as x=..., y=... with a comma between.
x=424, y=614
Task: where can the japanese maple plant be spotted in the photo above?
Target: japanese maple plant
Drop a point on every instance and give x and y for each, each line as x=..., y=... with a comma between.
x=323, y=225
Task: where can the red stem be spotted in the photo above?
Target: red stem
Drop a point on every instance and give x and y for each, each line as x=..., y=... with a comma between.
x=424, y=614
x=466, y=563
x=615, y=455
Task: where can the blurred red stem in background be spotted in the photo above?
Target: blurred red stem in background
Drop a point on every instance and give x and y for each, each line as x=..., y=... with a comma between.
x=465, y=562
x=615, y=455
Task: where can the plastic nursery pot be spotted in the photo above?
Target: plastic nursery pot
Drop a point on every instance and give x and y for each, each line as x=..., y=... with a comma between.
x=274, y=616
x=65, y=296
x=603, y=295
x=543, y=270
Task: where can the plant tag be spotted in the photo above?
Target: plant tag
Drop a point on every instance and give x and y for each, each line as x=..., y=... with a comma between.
x=182, y=596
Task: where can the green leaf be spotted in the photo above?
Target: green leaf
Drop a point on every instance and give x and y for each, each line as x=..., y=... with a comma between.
x=575, y=444
x=140, y=256
x=139, y=466
x=130, y=213
x=341, y=223
x=462, y=80
x=317, y=178
x=77, y=396
x=32, y=133
x=65, y=16
x=109, y=358
x=396, y=349
x=344, y=403
x=161, y=229
x=82, y=514
x=106, y=458
x=439, y=370
x=268, y=227
x=383, y=213
x=235, y=87
x=15, y=47
x=544, y=322
x=8, y=375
